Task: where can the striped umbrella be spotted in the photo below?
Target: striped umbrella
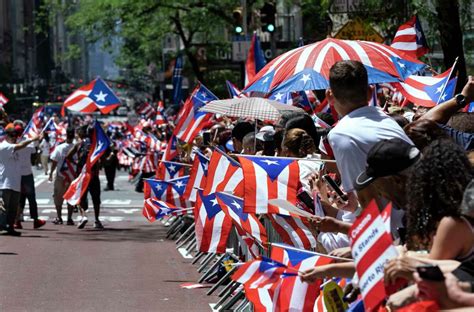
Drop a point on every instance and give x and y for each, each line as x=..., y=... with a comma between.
x=307, y=67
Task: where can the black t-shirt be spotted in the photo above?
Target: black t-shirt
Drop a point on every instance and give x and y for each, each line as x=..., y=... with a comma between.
x=465, y=272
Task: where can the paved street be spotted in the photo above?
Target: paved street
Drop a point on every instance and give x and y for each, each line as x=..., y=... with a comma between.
x=129, y=266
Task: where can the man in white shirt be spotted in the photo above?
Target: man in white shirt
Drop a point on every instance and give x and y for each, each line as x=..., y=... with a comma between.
x=64, y=175
x=360, y=127
x=10, y=178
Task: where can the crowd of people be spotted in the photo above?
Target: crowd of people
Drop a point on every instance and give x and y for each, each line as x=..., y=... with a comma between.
x=419, y=159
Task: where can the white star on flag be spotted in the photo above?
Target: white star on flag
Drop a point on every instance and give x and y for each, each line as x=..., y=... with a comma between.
x=443, y=97
x=265, y=80
x=214, y=201
x=278, y=96
x=205, y=166
x=99, y=147
x=270, y=162
x=172, y=168
x=439, y=89
x=179, y=184
x=101, y=96
x=305, y=78
x=401, y=65
x=236, y=204
x=158, y=187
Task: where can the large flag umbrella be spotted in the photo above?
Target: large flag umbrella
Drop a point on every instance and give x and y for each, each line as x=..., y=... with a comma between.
x=307, y=67
x=252, y=107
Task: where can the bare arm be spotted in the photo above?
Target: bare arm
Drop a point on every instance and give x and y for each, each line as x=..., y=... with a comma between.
x=343, y=269
x=25, y=143
x=441, y=113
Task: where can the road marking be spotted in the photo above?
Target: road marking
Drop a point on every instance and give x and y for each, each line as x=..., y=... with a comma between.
x=117, y=202
x=185, y=253
x=212, y=305
x=42, y=201
x=48, y=211
x=41, y=180
x=128, y=211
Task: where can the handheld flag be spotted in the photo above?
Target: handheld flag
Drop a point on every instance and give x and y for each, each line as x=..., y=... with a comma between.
x=178, y=80
x=93, y=96
x=3, y=99
x=411, y=39
x=255, y=59
x=197, y=176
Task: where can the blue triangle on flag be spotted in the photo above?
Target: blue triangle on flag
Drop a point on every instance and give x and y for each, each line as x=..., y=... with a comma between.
x=235, y=204
x=157, y=187
x=268, y=264
x=307, y=79
x=203, y=162
x=210, y=204
x=172, y=168
x=273, y=166
x=263, y=84
x=102, y=95
x=296, y=256
x=405, y=68
x=180, y=184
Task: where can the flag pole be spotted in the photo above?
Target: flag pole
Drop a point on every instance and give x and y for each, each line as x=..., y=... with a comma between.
x=449, y=77
x=309, y=251
x=289, y=158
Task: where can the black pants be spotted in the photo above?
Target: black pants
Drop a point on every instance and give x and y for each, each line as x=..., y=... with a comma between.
x=28, y=192
x=8, y=211
x=94, y=190
x=110, y=175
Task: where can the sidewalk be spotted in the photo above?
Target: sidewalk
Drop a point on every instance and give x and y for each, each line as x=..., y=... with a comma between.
x=128, y=267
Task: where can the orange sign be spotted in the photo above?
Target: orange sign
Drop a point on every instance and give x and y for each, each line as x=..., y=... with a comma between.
x=356, y=29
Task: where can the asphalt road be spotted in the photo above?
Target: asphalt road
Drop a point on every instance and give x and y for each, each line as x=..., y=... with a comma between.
x=129, y=266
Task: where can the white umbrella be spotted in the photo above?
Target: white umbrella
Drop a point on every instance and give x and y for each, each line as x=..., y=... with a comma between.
x=252, y=107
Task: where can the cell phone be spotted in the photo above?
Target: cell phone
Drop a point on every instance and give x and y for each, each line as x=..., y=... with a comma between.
x=306, y=199
x=430, y=272
x=335, y=187
x=206, y=138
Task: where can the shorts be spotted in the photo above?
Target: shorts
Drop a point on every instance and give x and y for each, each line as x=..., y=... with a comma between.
x=60, y=187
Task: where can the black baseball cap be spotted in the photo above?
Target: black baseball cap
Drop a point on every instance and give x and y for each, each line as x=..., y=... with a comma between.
x=386, y=158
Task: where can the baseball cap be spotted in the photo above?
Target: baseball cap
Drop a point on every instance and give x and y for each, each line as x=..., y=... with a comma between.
x=265, y=134
x=10, y=128
x=387, y=157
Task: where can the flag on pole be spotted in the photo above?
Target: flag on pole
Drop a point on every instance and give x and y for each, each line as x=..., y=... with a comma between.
x=50, y=126
x=171, y=151
x=3, y=99
x=234, y=92
x=261, y=273
x=154, y=209
x=95, y=95
x=224, y=175
x=99, y=144
x=178, y=80
x=212, y=225
x=197, y=176
x=255, y=59
x=268, y=178
x=427, y=91
x=411, y=39
x=293, y=230
x=167, y=170
x=146, y=110
x=192, y=120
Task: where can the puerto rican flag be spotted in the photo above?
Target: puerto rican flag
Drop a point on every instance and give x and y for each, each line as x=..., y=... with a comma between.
x=234, y=92
x=224, y=175
x=267, y=178
x=156, y=209
x=167, y=170
x=428, y=91
x=192, y=120
x=212, y=225
x=171, y=151
x=146, y=110
x=2, y=134
x=296, y=295
x=100, y=143
x=3, y=99
x=246, y=223
x=293, y=230
x=68, y=171
x=50, y=126
x=160, y=119
x=372, y=247
x=93, y=96
x=197, y=176
x=411, y=39
x=255, y=59
x=32, y=128
x=261, y=273
x=171, y=191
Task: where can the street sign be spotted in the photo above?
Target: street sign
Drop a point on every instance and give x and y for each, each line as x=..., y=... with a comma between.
x=357, y=29
x=240, y=50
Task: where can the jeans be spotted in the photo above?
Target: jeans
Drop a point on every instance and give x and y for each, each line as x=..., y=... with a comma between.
x=110, y=175
x=94, y=190
x=28, y=191
x=10, y=205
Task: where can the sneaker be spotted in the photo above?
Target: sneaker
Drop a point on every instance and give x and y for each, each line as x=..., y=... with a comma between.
x=57, y=221
x=70, y=222
x=38, y=223
x=12, y=232
x=82, y=223
x=17, y=225
x=98, y=225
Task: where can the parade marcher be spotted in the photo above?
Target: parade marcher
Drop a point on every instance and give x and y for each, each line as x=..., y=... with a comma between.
x=110, y=163
x=10, y=177
x=82, y=150
x=27, y=186
x=63, y=178
x=45, y=148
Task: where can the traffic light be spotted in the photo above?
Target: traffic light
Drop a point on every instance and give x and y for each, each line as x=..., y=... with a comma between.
x=267, y=17
x=237, y=17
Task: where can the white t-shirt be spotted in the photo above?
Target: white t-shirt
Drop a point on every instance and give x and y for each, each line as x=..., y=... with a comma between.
x=45, y=147
x=354, y=136
x=24, y=160
x=60, y=153
x=10, y=176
